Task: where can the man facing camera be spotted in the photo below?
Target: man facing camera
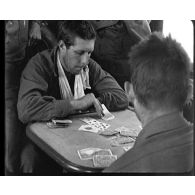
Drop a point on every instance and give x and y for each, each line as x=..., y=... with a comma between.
x=158, y=89
x=65, y=80
x=53, y=83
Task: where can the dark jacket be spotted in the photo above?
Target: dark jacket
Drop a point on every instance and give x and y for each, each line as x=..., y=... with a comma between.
x=16, y=39
x=165, y=145
x=39, y=95
x=114, y=42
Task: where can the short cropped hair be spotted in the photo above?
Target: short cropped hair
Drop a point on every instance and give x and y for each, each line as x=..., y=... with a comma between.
x=159, y=71
x=70, y=29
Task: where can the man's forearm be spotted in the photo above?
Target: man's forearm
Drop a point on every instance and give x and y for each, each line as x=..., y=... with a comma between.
x=42, y=109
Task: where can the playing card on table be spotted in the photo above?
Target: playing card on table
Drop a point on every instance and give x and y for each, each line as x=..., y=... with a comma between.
x=128, y=146
x=88, y=120
x=129, y=134
x=107, y=115
x=119, y=141
x=103, y=160
x=95, y=123
x=124, y=131
x=88, y=128
x=103, y=152
x=87, y=153
x=108, y=132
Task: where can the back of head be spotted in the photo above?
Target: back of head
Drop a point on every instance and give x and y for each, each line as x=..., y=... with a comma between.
x=70, y=29
x=159, y=72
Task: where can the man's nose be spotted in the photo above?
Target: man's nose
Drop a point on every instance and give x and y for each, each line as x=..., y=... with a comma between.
x=85, y=59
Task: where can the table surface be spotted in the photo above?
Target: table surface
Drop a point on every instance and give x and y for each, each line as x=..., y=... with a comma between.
x=62, y=144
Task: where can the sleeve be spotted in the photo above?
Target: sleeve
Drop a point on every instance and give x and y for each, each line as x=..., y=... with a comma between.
x=34, y=103
x=139, y=29
x=106, y=88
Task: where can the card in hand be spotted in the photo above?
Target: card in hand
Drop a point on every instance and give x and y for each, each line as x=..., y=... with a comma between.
x=107, y=115
x=87, y=153
x=103, y=160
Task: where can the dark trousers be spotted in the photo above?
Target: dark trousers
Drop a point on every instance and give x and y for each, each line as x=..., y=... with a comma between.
x=36, y=162
x=14, y=132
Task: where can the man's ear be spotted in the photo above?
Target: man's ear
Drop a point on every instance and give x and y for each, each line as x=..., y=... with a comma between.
x=62, y=45
x=129, y=90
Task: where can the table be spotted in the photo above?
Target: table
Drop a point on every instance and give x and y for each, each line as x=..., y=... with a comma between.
x=62, y=144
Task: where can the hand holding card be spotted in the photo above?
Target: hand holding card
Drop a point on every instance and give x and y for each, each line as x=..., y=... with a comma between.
x=107, y=115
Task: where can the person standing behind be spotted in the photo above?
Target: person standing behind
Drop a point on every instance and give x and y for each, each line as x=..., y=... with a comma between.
x=17, y=35
x=159, y=88
x=114, y=41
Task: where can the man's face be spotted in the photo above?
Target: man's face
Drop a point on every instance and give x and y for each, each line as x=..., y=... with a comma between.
x=77, y=56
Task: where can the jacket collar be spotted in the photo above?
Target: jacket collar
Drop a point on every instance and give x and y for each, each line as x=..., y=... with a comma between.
x=164, y=123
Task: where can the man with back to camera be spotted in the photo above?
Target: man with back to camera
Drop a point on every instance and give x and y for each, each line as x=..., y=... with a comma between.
x=54, y=82
x=158, y=90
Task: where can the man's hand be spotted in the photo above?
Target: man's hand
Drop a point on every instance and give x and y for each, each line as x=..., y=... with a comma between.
x=86, y=102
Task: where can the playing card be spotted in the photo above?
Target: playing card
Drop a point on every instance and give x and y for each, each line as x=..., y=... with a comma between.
x=108, y=132
x=124, y=131
x=87, y=153
x=103, y=160
x=88, y=120
x=119, y=141
x=122, y=128
x=103, y=152
x=107, y=115
x=94, y=123
x=132, y=134
x=113, y=137
x=128, y=146
x=88, y=128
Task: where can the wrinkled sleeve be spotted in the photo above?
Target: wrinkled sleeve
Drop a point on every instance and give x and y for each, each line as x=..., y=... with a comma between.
x=34, y=104
x=106, y=88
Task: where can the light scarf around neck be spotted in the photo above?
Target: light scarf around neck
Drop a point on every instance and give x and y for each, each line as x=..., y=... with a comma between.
x=80, y=84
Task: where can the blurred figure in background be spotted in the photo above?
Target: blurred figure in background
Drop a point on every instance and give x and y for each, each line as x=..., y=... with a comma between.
x=17, y=34
x=114, y=41
x=23, y=39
